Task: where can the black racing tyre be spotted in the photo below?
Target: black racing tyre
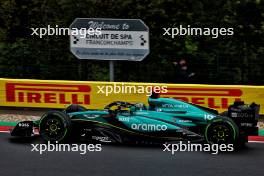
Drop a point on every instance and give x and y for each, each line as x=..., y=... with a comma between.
x=74, y=108
x=55, y=126
x=222, y=130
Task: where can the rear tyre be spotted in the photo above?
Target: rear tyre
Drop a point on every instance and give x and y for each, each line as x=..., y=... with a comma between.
x=55, y=126
x=221, y=131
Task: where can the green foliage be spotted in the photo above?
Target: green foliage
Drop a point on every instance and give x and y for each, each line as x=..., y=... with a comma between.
x=234, y=59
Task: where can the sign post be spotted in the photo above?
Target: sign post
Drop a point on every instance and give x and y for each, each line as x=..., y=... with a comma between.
x=119, y=39
x=111, y=70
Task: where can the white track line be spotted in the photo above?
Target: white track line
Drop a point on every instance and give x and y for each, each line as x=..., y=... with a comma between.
x=256, y=141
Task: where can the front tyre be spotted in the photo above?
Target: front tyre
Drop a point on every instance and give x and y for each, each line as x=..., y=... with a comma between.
x=54, y=126
x=221, y=131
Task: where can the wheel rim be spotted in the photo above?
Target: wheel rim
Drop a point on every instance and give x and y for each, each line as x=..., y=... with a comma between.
x=52, y=128
x=220, y=134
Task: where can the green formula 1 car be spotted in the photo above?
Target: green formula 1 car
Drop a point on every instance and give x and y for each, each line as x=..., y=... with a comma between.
x=163, y=120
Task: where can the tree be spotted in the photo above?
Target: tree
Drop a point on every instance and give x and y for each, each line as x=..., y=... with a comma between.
x=223, y=60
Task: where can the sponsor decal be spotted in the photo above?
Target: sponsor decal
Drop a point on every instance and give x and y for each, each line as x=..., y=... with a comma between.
x=184, y=121
x=123, y=119
x=47, y=93
x=180, y=106
x=149, y=127
x=21, y=124
x=101, y=138
x=91, y=116
x=241, y=115
x=215, y=98
x=246, y=124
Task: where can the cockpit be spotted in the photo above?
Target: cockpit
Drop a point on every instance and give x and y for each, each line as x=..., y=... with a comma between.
x=122, y=107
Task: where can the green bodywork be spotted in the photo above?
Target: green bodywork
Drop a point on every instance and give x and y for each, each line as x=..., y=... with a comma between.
x=169, y=115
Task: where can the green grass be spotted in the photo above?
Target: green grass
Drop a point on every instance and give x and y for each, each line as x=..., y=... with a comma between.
x=2, y=123
x=261, y=132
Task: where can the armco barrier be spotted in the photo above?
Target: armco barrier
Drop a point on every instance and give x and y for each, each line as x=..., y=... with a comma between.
x=59, y=94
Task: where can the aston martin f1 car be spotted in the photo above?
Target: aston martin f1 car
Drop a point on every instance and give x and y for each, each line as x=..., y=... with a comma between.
x=163, y=120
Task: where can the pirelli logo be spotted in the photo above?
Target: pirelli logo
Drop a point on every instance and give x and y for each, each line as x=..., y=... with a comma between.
x=216, y=98
x=47, y=93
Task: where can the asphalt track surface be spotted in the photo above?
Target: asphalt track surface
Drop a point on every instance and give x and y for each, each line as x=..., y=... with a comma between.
x=17, y=159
